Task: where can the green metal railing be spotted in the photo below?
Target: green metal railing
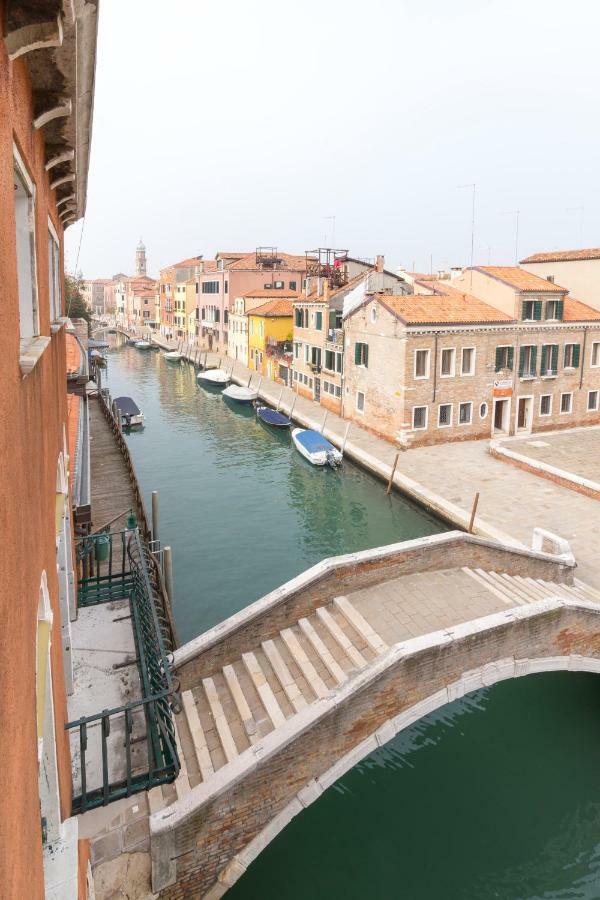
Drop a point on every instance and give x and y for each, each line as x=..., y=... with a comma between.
x=135, y=747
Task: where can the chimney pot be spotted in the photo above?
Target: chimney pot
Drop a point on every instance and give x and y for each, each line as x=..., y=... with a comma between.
x=379, y=262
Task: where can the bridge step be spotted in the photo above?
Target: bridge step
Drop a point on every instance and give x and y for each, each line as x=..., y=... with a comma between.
x=220, y=720
x=316, y=683
x=239, y=698
x=360, y=625
x=324, y=653
x=593, y=593
x=519, y=590
x=340, y=637
x=263, y=689
x=285, y=677
x=198, y=737
x=182, y=782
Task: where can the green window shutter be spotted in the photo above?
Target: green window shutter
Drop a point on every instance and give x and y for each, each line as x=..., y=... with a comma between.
x=537, y=310
x=511, y=357
x=357, y=354
x=319, y=323
x=544, y=367
x=576, y=353
x=366, y=355
x=497, y=359
x=554, y=358
x=560, y=305
x=521, y=361
x=534, y=360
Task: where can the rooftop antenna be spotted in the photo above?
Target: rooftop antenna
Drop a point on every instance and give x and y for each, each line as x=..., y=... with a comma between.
x=580, y=210
x=472, y=186
x=516, y=213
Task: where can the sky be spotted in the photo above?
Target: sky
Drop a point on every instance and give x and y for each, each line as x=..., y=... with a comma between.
x=229, y=124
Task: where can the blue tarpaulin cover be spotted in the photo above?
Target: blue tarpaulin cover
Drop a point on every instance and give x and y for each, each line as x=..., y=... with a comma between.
x=313, y=441
x=127, y=406
x=272, y=417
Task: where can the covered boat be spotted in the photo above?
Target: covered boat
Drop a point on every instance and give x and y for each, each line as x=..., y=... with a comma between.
x=214, y=376
x=142, y=345
x=273, y=417
x=131, y=415
x=240, y=394
x=173, y=355
x=315, y=448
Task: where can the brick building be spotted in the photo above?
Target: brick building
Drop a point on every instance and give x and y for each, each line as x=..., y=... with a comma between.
x=446, y=365
x=47, y=61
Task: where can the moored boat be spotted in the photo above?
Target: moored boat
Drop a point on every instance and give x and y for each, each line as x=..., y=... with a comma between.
x=214, y=376
x=240, y=394
x=315, y=448
x=172, y=355
x=273, y=417
x=142, y=345
x=131, y=414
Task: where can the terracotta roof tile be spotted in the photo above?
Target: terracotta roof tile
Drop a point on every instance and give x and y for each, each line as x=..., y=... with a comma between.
x=563, y=255
x=274, y=308
x=451, y=309
x=519, y=279
x=73, y=354
x=272, y=293
x=576, y=311
x=73, y=403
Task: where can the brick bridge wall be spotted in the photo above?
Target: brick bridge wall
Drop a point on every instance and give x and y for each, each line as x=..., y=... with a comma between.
x=317, y=586
x=203, y=846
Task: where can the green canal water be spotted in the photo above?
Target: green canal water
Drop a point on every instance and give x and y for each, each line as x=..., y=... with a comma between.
x=494, y=797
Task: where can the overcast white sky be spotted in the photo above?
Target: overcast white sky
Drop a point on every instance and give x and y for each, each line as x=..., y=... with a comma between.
x=226, y=124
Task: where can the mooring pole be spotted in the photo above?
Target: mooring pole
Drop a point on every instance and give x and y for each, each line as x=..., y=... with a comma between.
x=324, y=420
x=292, y=406
x=345, y=437
x=154, y=515
x=168, y=567
x=473, y=511
x=393, y=472
x=258, y=386
x=279, y=401
x=250, y=379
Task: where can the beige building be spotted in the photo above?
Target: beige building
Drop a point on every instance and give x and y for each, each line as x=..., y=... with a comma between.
x=428, y=369
x=577, y=270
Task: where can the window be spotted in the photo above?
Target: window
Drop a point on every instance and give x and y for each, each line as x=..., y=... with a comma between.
x=25, y=239
x=528, y=361
x=225, y=316
x=319, y=321
x=279, y=285
x=339, y=362
x=296, y=351
x=360, y=401
x=419, y=417
x=217, y=315
x=545, y=404
x=295, y=376
x=554, y=309
x=504, y=358
x=292, y=285
x=595, y=354
x=571, y=356
x=226, y=287
x=267, y=287
x=373, y=313
x=54, y=273
x=483, y=410
x=445, y=415
x=210, y=287
x=467, y=366
x=330, y=360
x=465, y=413
x=592, y=401
x=361, y=355
x=549, y=359
x=566, y=401
x=421, y=363
x=315, y=356
x=531, y=310
x=338, y=391
x=306, y=353
x=298, y=318
x=447, y=362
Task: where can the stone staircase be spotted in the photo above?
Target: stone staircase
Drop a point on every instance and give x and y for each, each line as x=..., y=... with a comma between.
x=518, y=590
x=237, y=706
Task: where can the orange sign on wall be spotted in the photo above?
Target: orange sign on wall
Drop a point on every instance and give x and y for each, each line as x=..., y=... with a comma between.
x=503, y=387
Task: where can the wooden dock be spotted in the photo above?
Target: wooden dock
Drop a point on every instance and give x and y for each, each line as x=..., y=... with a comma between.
x=112, y=490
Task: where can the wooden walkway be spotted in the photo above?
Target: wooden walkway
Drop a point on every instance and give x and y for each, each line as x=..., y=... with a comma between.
x=112, y=491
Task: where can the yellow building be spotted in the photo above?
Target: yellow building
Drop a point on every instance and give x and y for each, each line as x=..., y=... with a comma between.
x=191, y=302
x=269, y=331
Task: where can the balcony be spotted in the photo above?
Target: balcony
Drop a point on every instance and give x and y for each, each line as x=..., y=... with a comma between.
x=278, y=349
x=335, y=337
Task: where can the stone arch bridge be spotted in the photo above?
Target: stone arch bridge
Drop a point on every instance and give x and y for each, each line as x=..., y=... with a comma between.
x=283, y=698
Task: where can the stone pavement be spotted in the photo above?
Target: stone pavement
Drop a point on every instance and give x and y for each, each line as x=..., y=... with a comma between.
x=576, y=451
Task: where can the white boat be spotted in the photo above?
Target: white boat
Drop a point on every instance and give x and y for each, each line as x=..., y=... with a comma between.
x=142, y=345
x=315, y=448
x=214, y=376
x=240, y=393
x=173, y=355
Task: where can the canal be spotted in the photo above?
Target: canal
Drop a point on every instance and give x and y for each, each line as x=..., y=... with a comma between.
x=495, y=796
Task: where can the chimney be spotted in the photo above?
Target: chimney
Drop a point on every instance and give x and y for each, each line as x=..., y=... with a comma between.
x=379, y=262
x=326, y=291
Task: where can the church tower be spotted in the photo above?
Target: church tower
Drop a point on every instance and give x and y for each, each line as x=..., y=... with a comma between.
x=140, y=259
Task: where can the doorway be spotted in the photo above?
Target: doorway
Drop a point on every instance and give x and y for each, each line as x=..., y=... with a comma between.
x=317, y=389
x=501, y=416
x=524, y=413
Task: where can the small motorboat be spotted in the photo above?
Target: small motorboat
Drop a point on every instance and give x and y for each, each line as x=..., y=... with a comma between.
x=142, y=345
x=315, y=448
x=240, y=394
x=172, y=355
x=273, y=417
x=131, y=342
x=214, y=376
x=131, y=415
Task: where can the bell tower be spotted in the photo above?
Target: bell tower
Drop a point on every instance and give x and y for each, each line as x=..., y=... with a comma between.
x=140, y=259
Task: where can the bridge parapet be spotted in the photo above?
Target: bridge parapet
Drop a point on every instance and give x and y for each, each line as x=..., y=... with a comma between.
x=318, y=585
x=205, y=842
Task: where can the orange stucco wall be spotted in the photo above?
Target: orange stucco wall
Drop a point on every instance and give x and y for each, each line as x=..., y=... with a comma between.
x=33, y=411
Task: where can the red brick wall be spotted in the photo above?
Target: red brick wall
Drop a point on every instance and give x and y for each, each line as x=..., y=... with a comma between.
x=33, y=413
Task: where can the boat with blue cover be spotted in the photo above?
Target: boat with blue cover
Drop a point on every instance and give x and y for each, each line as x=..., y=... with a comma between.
x=131, y=414
x=315, y=448
x=272, y=417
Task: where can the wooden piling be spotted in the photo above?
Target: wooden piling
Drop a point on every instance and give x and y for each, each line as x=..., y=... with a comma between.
x=155, y=515
x=324, y=420
x=345, y=436
x=393, y=472
x=279, y=401
x=168, y=573
x=473, y=511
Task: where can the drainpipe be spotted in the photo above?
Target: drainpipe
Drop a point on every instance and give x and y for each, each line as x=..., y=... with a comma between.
x=582, y=360
x=435, y=354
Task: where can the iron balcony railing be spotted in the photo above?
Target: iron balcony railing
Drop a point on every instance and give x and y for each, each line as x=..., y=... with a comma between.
x=134, y=746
